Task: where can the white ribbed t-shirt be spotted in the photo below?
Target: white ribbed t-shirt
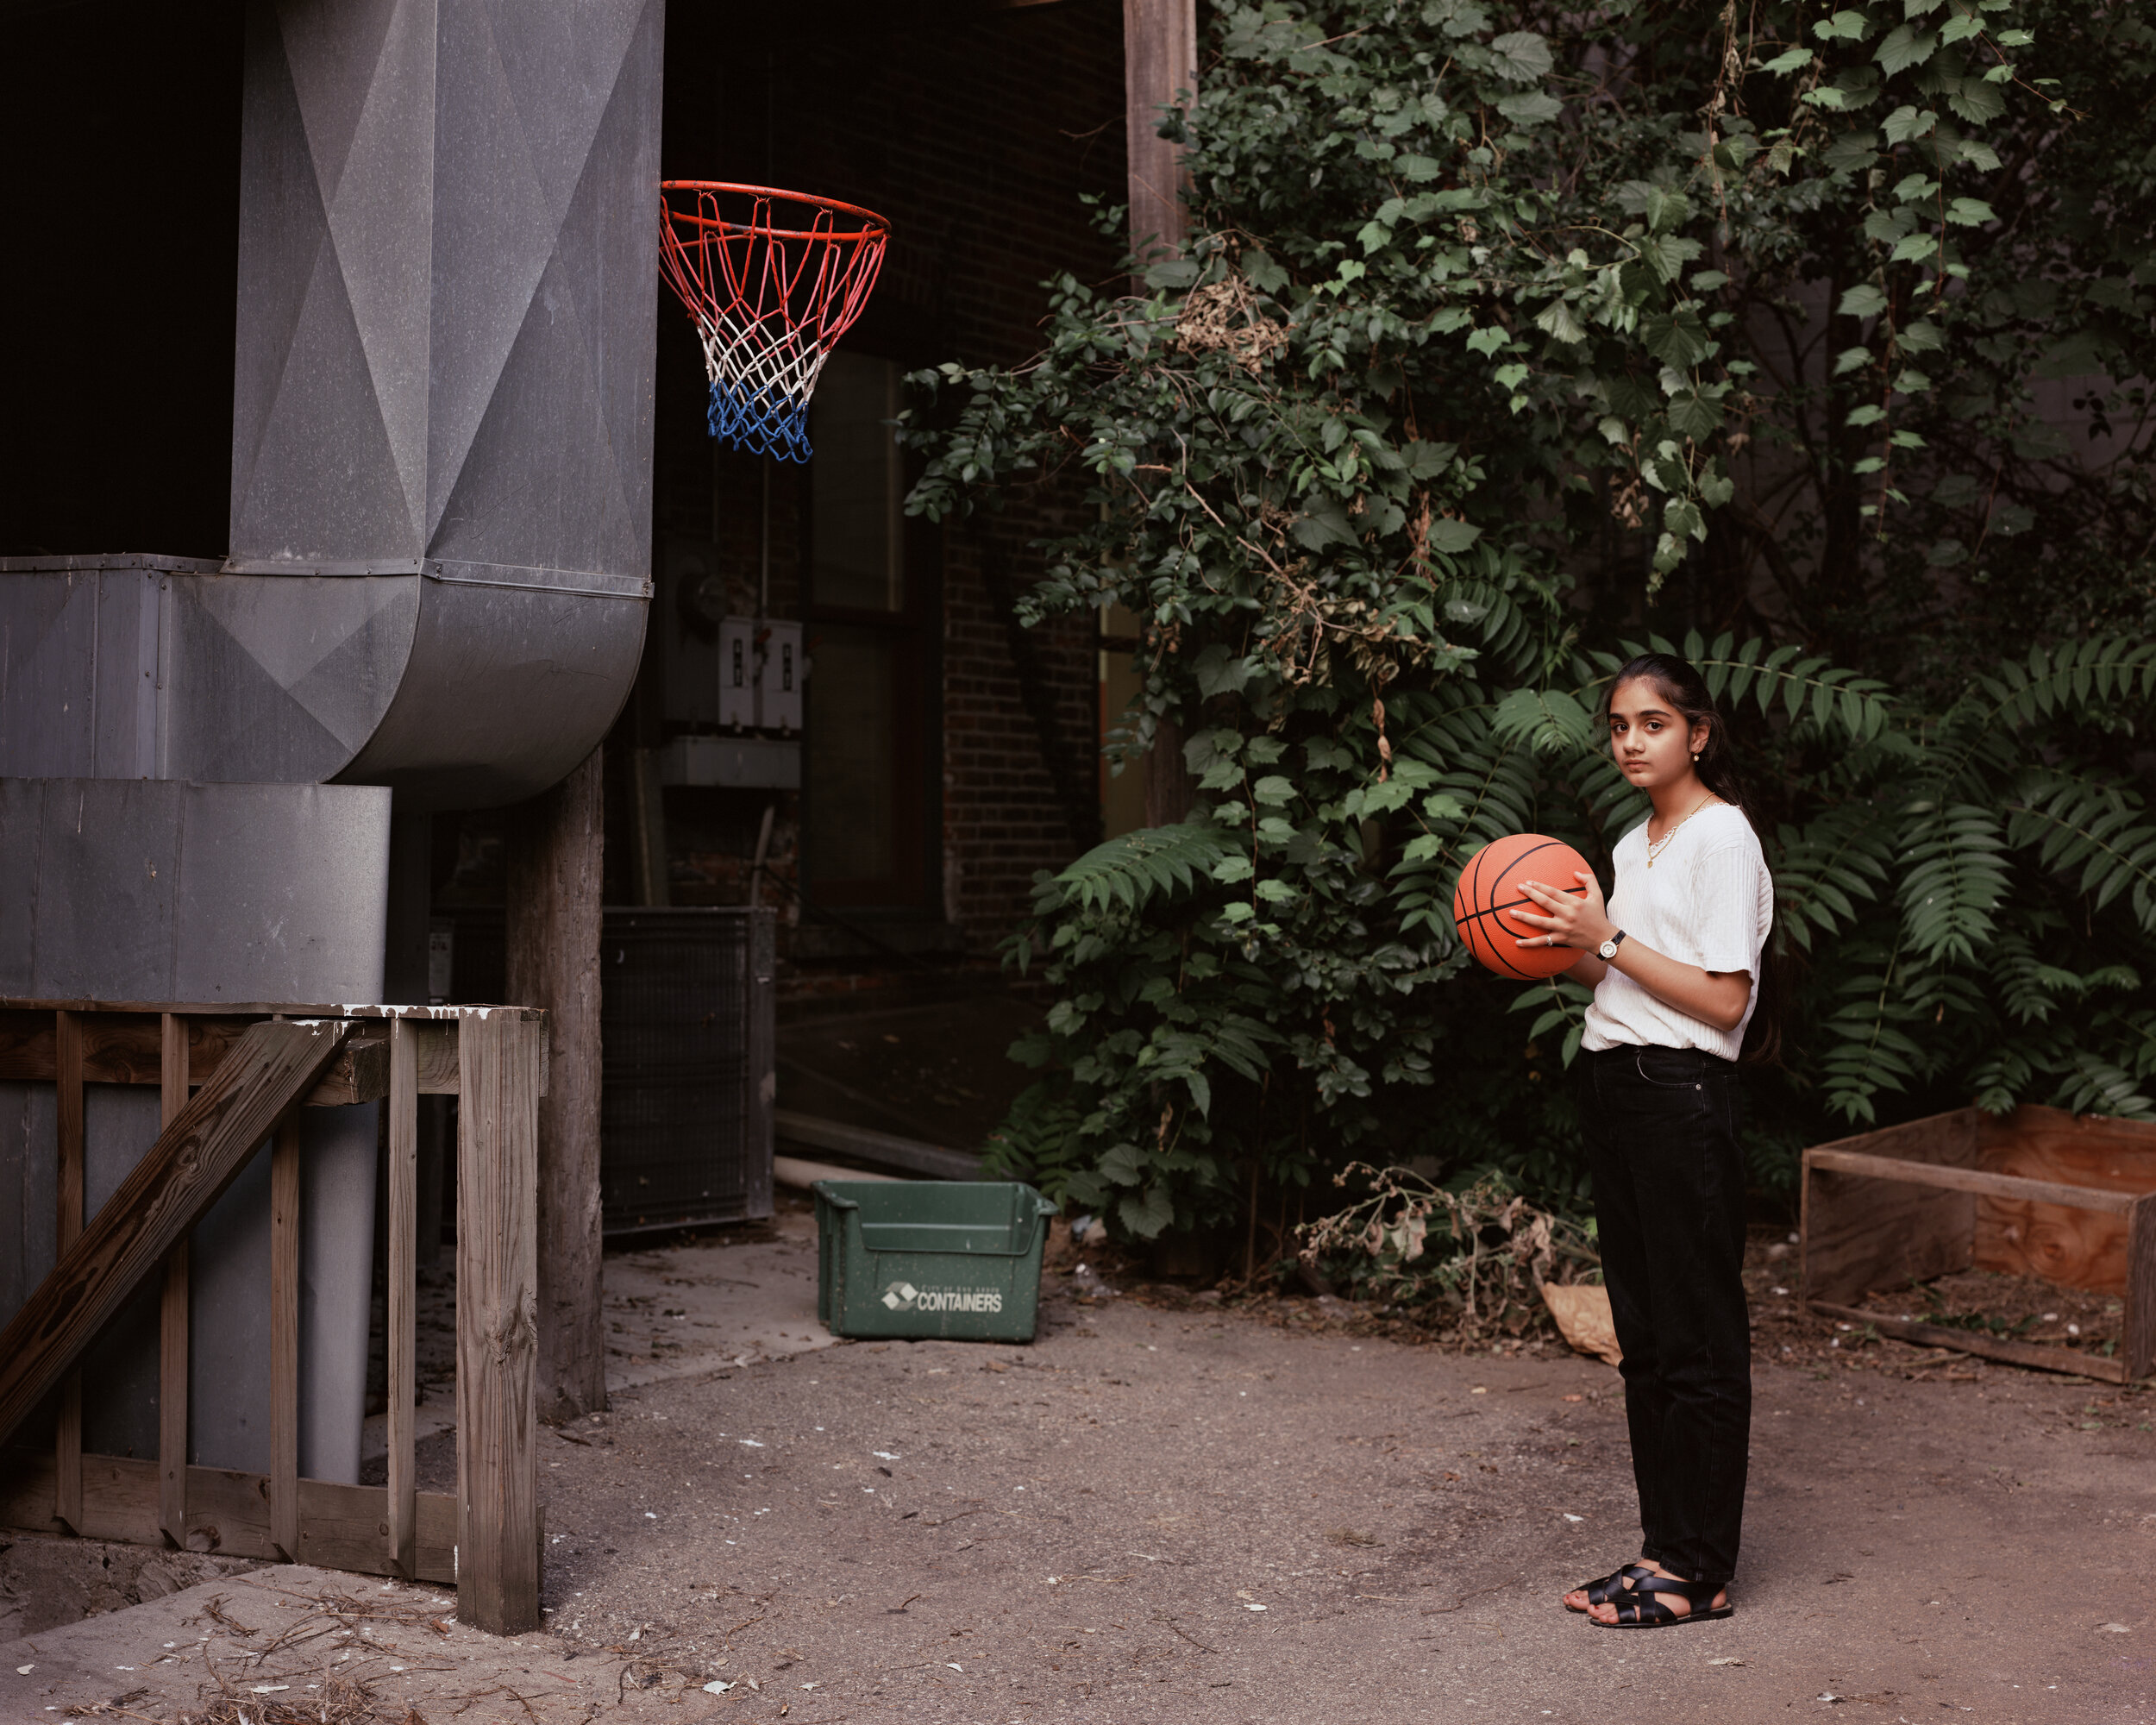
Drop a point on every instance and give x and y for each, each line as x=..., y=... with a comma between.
x=1709, y=901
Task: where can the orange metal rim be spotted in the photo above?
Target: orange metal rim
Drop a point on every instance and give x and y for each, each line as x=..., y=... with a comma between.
x=878, y=228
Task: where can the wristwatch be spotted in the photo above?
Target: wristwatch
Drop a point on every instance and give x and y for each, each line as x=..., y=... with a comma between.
x=1607, y=950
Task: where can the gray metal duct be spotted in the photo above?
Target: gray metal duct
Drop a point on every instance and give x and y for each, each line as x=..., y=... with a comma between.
x=440, y=502
x=441, y=402
x=121, y=889
x=458, y=695
x=438, y=574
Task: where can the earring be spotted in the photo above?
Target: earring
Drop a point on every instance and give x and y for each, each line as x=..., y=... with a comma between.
x=1696, y=760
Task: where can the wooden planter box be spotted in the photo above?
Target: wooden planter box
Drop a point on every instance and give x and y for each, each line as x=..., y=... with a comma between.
x=2038, y=1192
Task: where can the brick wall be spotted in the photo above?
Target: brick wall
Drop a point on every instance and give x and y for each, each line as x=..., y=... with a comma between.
x=974, y=133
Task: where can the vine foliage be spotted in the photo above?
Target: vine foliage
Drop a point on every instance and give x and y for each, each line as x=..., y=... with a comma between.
x=1504, y=341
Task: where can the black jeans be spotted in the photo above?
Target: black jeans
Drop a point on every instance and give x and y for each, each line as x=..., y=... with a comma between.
x=1661, y=1128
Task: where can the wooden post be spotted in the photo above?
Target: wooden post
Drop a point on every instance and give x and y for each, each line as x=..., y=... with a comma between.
x=1160, y=56
x=68, y=1109
x=496, y=1265
x=404, y=1266
x=284, y=1469
x=555, y=857
x=172, y=1353
x=647, y=828
x=2138, y=1345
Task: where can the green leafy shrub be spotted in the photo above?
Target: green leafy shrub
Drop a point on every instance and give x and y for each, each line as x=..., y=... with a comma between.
x=1491, y=346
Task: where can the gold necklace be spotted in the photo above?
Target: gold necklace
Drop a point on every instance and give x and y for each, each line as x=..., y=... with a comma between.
x=1657, y=846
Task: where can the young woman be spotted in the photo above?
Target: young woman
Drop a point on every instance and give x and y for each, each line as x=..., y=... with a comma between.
x=1674, y=958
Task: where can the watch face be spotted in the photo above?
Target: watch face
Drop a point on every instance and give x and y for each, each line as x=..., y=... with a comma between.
x=1607, y=950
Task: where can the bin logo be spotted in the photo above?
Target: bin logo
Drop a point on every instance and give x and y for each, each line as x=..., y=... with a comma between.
x=904, y=1296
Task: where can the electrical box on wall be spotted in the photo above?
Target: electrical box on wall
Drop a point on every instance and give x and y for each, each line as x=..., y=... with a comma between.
x=738, y=673
x=780, y=672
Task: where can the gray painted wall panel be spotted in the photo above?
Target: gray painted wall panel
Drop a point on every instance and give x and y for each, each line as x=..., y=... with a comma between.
x=107, y=851
x=336, y=1261
x=49, y=645
x=120, y=1123
x=21, y=810
x=155, y=890
x=79, y=672
x=228, y=1347
x=125, y=676
x=304, y=918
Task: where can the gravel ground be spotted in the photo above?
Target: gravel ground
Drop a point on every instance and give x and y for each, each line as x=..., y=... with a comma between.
x=1173, y=1509
x=1167, y=1511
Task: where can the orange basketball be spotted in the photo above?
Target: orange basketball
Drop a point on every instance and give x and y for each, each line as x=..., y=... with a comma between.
x=1489, y=891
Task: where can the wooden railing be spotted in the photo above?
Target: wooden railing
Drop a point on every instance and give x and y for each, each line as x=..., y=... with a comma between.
x=231, y=1078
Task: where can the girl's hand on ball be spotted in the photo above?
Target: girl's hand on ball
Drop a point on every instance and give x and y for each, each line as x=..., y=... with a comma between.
x=1577, y=919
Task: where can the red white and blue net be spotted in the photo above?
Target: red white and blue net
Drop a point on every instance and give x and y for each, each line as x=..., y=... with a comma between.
x=772, y=280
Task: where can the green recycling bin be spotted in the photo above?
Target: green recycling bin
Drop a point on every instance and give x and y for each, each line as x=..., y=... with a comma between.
x=959, y=1259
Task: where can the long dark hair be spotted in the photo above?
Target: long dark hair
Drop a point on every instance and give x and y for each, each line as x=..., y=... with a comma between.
x=1680, y=684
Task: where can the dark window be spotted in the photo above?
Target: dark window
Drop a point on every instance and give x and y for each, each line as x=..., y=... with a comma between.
x=870, y=614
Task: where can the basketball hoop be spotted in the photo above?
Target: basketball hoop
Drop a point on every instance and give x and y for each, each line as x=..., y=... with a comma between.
x=769, y=301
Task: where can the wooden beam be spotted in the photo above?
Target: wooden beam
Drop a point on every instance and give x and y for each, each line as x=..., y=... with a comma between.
x=341, y=1527
x=2138, y=1345
x=1969, y=1180
x=402, y=1300
x=648, y=829
x=192, y=1161
x=283, y=1410
x=1160, y=56
x=130, y=1049
x=67, y=1078
x=497, y=1269
x=173, y=1312
x=359, y=1074
x=242, y=1009
x=553, y=852
x=2036, y=1354
x=437, y=1051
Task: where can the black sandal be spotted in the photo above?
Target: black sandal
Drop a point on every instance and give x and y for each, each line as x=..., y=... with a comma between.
x=1606, y=1588
x=1652, y=1614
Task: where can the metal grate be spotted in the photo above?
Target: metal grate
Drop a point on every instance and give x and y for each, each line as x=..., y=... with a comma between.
x=686, y=1027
